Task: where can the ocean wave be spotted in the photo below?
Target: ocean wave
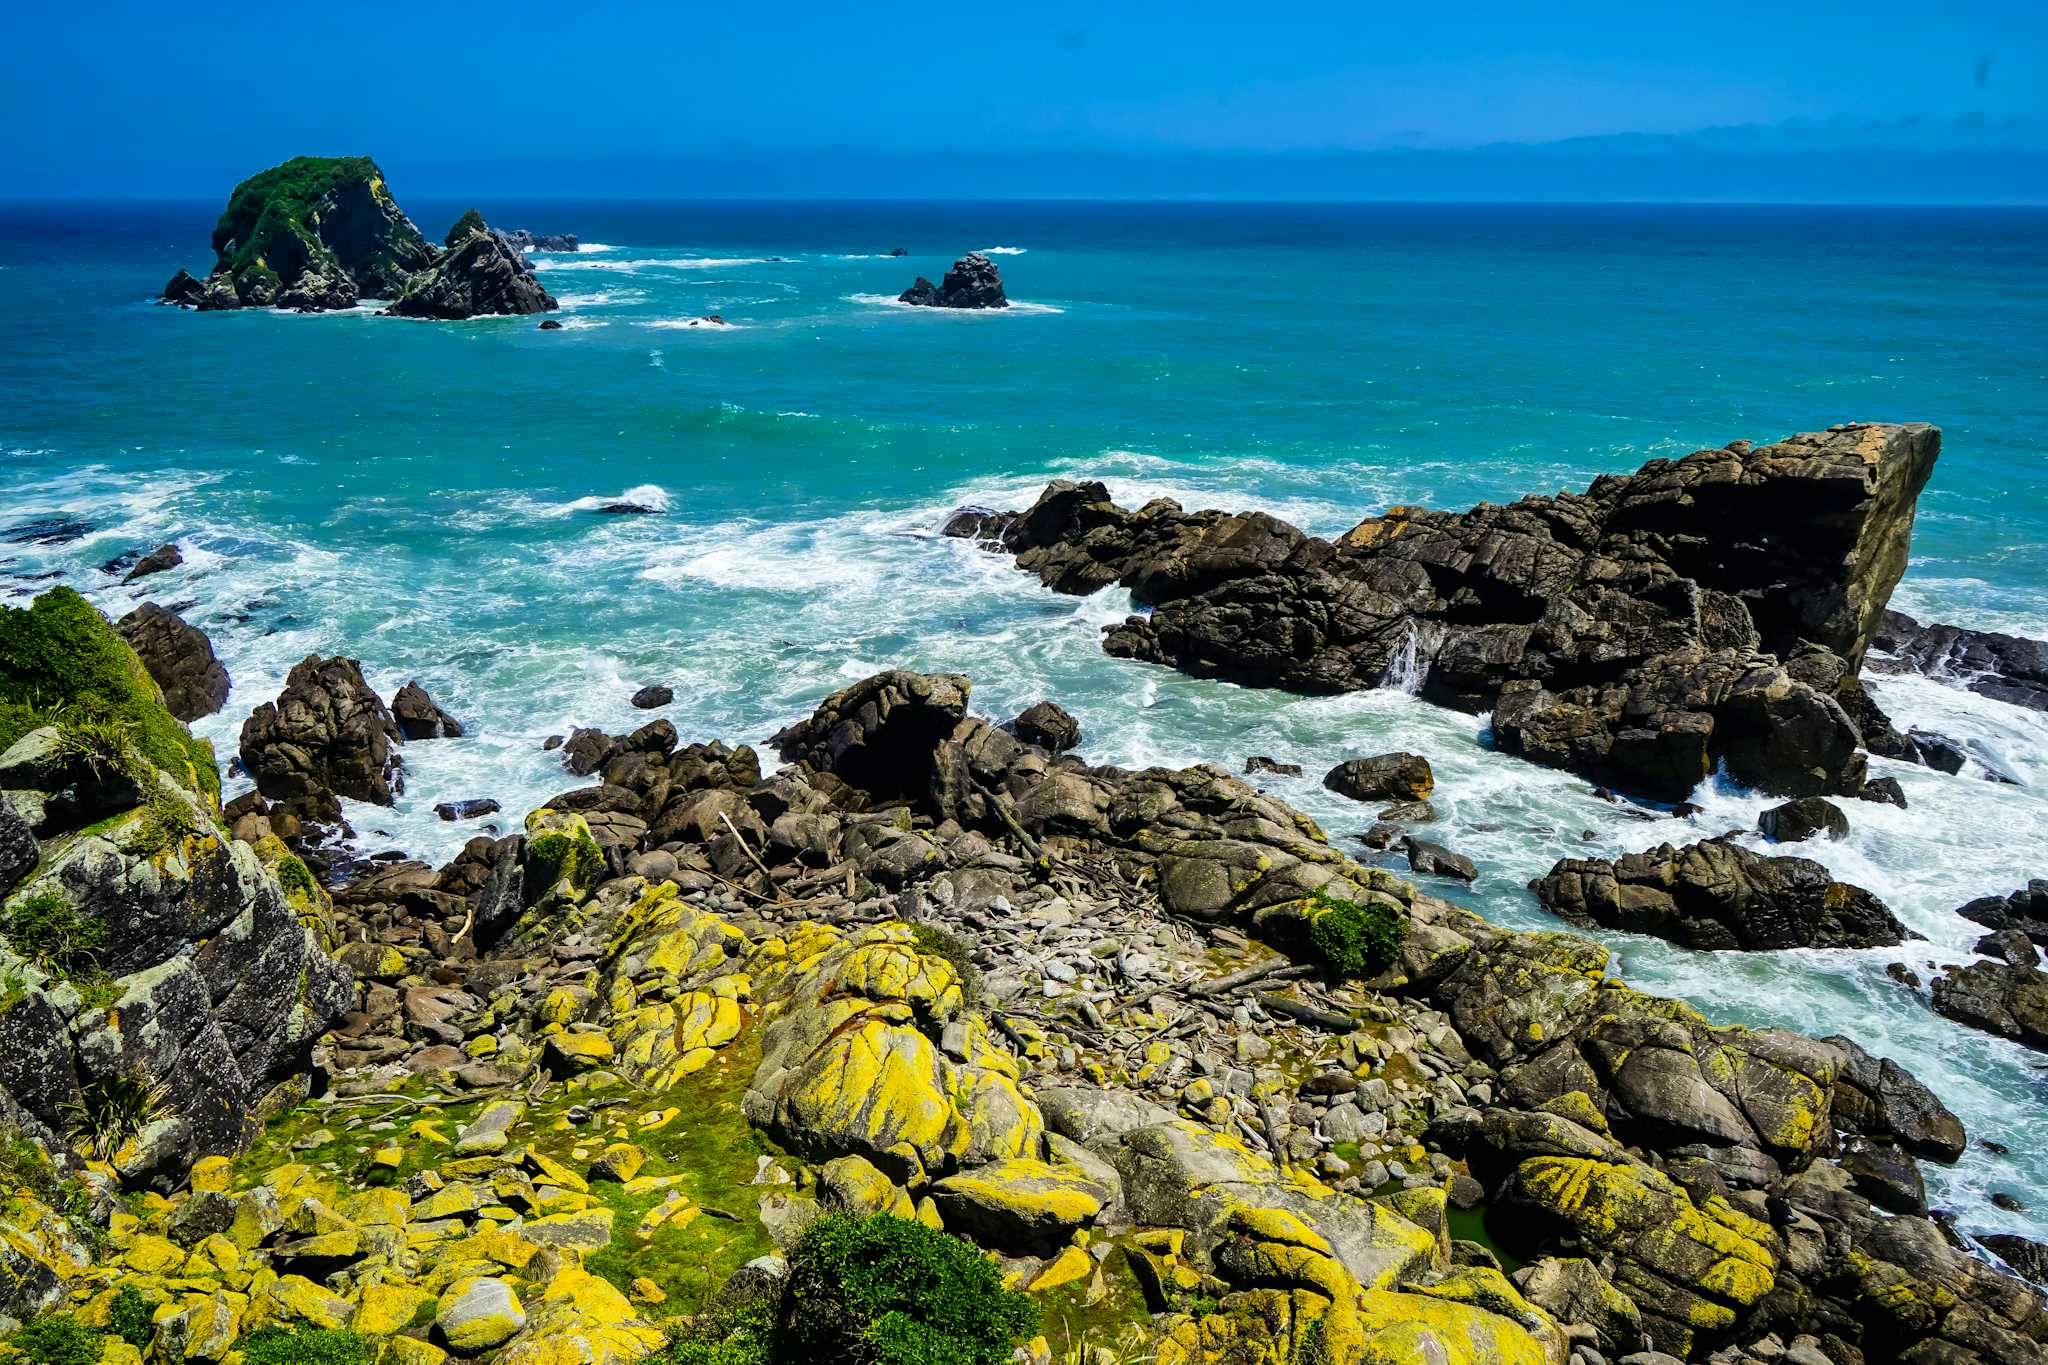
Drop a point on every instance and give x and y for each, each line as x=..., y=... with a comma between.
x=635, y=267
x=648, y=495
x=691, y=324
x=600, y=298
x=1004, y=250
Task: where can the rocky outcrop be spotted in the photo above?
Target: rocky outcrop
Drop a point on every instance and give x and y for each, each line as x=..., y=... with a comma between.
x=2007, y=996
x=2008, y=668
x=1636, y=633
x=327, y=734
x=163, y=557
x=2025, y=909
x=973, y=282
x=180, y=658
x=1719, y=895
x=314, y=233
x=418, y=716
x=157, y=979
x=478, y=275
x=1797, y=821
x=542, y=241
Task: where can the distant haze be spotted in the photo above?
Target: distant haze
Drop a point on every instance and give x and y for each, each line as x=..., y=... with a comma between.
x=1583, y=101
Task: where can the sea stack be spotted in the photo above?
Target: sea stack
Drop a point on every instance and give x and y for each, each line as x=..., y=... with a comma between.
x=315, y=233
x=481, y=273
x=973, y=282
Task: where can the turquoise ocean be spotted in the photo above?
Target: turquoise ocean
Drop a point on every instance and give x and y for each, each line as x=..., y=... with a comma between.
x=423, y=496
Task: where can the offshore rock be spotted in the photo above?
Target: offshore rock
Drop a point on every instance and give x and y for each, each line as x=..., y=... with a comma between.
x=973, y=282
x=478, y=275
x=2009, y=668
x=1719, y=895
x=2025, y=910
x=542, y=241
x=419, y=717
x=1388, y=777
x=1796, y=821
x=156, y=561
x=180, y=657
x=313, y=233
x=2005, y=998
x=1632, y=632
x=328, y=732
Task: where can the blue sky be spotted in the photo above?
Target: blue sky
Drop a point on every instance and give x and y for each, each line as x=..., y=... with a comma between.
x=1609, y=100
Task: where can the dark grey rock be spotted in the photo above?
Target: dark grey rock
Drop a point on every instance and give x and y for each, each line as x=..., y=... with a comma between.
x=179, y=656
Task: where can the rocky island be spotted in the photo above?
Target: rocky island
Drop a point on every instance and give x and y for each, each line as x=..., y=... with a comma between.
x=973, y=282
x=323, y=233
x=937, y=1033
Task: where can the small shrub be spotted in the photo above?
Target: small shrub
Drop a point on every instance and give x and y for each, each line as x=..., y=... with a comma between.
x=45, y=929
x=1354, y=939
x=25, y=1166
x=720, y=1338
x=880, y=1290
x=930, y=938
x=59, y=1339
x=310, y=1346
x=98, y=990
x=112, y=1109
x=130, y=1315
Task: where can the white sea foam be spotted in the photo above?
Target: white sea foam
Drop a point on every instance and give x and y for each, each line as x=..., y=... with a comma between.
x=691, y=324
x=1004, y=250
x=642, y=495
x=600, y=298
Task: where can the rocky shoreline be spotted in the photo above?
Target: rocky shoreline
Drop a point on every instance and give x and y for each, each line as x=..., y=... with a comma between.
x=1200, y=1085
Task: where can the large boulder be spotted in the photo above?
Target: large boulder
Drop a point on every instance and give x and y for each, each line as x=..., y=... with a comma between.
x=180, y=657
x=326, y=732
x=315, y=232
x=1634, y=633
x=1386, y=777
x=2025, y=909
x=1717, y=895
x=973, y=282
x=420, y=717
x=479, y=274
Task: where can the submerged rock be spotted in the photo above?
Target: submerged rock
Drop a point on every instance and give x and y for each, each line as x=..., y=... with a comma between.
x=1633, y=633
x=1796, y=821
x=156, y=561
x=1719, y=895
x=973, y=282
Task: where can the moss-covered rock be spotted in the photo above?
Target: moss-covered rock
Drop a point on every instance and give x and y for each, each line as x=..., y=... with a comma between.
x=331, y=217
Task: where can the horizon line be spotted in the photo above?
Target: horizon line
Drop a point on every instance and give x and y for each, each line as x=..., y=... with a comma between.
x=1163, y=199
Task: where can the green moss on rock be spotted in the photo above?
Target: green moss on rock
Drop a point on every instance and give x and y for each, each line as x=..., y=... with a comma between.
x=472, y=221
x=62, y=664
x=1355, y=939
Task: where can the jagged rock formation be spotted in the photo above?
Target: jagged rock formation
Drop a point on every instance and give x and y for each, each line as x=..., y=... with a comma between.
x=1719, y=895
x=328, y=734
x=180, y=658
x=314, y=233
x=1639, y=633
x=524, y=240
x=973, y=282
x=2006, y=995
x=419, y=717
x=480, y=273
x=2008, y=668
x=2025, y=909
x=157, y=979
